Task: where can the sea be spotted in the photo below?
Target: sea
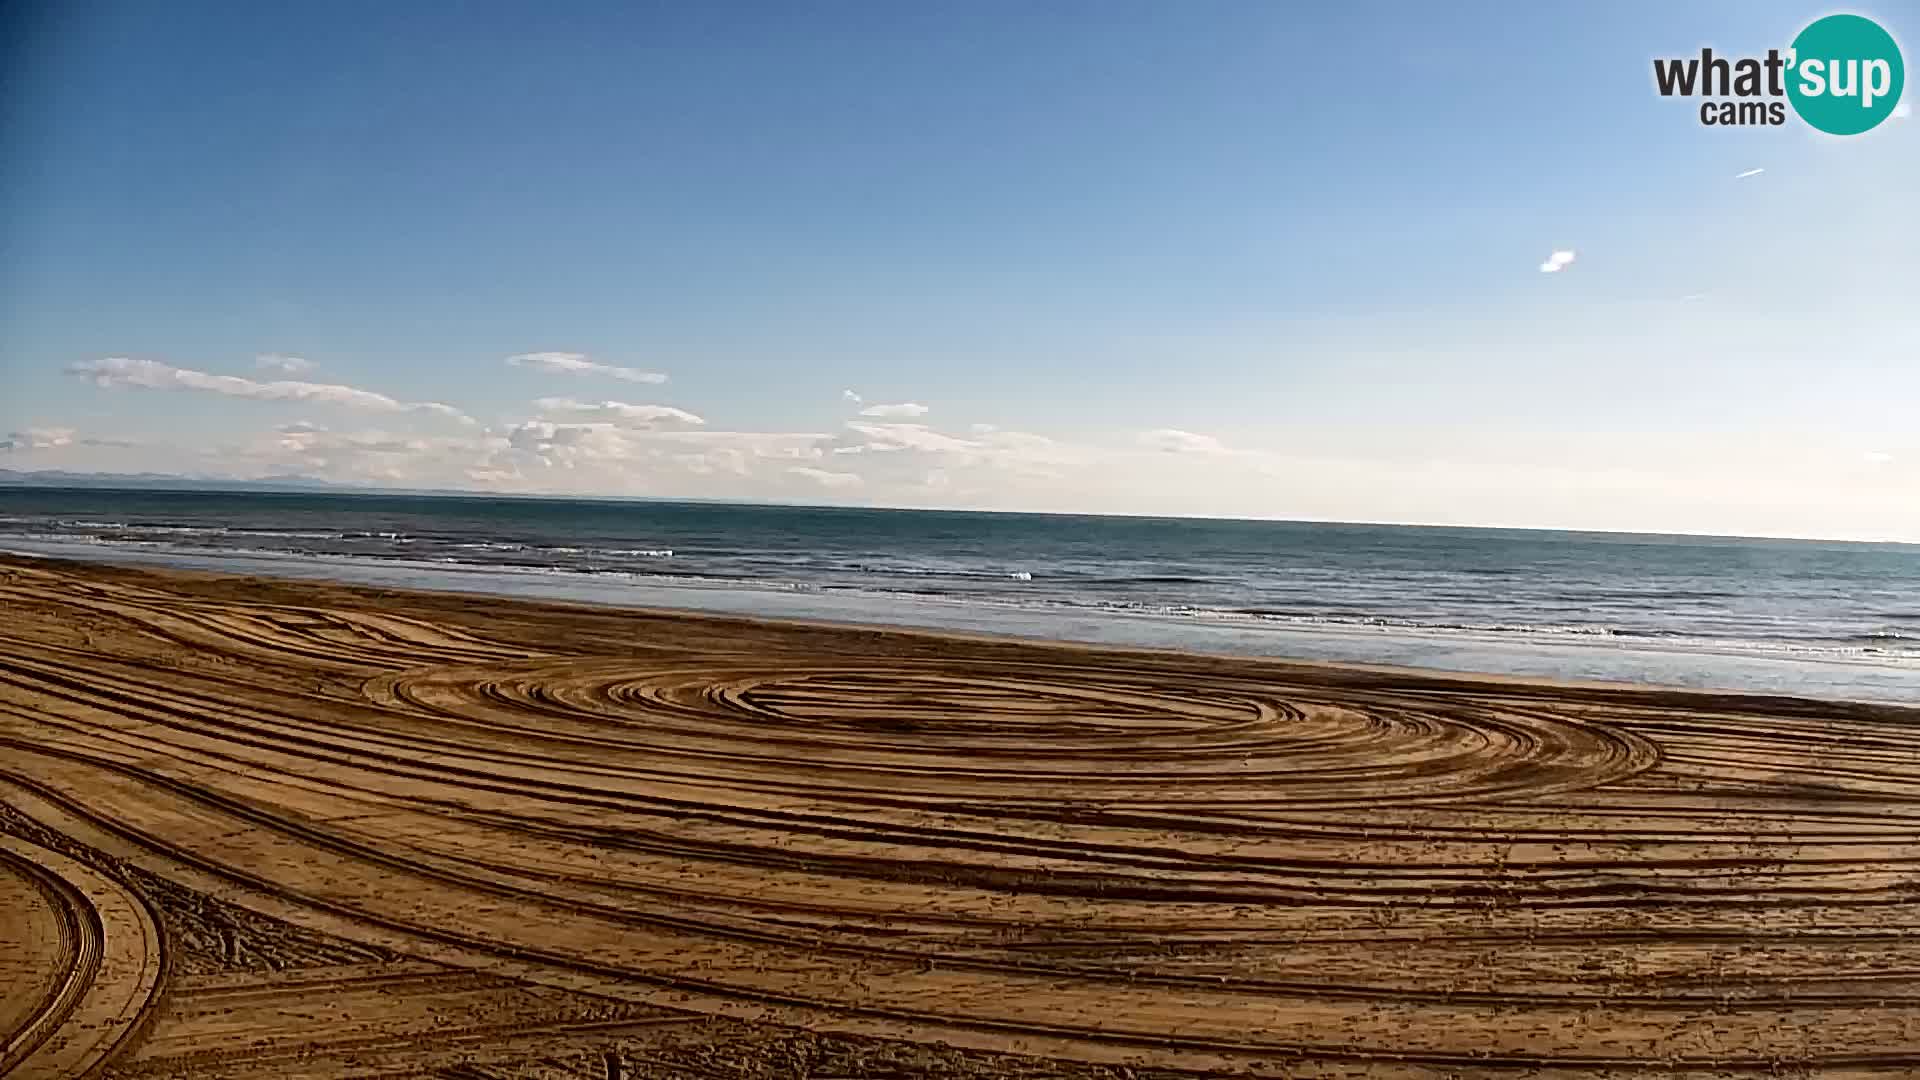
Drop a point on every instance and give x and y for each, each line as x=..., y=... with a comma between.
x=1793, y=617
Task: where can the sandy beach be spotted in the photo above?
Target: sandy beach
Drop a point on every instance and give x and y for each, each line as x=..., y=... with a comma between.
x=254, y=828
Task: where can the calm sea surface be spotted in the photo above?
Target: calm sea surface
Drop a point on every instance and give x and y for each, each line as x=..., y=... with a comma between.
x=1783, y=616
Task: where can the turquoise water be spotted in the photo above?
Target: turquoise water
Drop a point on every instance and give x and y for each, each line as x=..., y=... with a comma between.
x=1768, y=615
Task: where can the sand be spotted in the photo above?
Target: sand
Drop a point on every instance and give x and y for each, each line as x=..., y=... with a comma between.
x=257, y=828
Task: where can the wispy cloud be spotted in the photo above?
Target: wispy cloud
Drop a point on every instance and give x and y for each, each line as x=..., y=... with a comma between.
x=53, y=438
x=121, y=371
x=1175, y=441
x=848, y=395
x=1878, y=457
x=887, y=438
x=826, y=477
x=358, y=442
x=618, y=457
x=284, y=364
x=380, y=457
x=903, y=409
x=1557, y=262
x=569, y=363
x=1749, y=172
x=38, y=438
x=1902, y=111
x=619, y=413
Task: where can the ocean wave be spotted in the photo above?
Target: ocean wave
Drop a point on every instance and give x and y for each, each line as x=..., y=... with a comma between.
x=120, y=529
x=1879, y=647
x=285, y=534
x=1311, y=600
x=945, y=572
x=163, y=530
x=1593, y=595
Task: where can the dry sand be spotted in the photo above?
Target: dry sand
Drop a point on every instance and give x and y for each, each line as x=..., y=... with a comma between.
x=263, y=829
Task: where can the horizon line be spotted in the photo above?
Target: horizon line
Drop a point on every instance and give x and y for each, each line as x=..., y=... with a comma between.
x=295, y=485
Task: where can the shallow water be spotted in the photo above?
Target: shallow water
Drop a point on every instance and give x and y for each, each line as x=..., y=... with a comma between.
x=1777, y=616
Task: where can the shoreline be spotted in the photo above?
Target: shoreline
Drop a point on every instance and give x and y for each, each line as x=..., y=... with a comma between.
x=1622, y=663
x=1411, y=676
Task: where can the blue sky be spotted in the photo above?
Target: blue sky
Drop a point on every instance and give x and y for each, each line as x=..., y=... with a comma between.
x=1250, y=259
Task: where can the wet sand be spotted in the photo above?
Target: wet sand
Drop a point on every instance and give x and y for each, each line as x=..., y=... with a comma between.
x=256, y=828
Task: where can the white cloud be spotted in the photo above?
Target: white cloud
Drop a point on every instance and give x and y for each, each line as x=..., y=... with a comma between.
x=368, y=456
x=890, y=437
x=826, y=477
x=1164, y=471
x=286, y=365
x=621, y=456
x=38, y=438
x=1013, y=440
x=543, y=436
x=376, y=444
x=771, y=444
x=848, y=395
x=618, y=412
x=1749, y=172
x=121, y=371
x=439, y=409
x=904, y=409
x=1557, y=262
x=537, y=455
x=1175, y=441
x=1902, y=111
x=899, y=456
x=567, y=363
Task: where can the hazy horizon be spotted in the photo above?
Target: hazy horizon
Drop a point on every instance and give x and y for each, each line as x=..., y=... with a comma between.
x=158, y=483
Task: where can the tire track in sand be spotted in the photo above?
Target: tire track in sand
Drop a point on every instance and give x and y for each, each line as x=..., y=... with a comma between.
x=1171, y=862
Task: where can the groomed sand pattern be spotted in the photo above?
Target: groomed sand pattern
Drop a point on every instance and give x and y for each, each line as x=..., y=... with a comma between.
x=263, y=829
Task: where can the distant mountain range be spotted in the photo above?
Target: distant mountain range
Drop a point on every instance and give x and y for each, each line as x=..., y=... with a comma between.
x=11, y=479
x=60, y=478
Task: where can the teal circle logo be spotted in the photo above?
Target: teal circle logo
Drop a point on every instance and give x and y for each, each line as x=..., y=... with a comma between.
x=1845, y=75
